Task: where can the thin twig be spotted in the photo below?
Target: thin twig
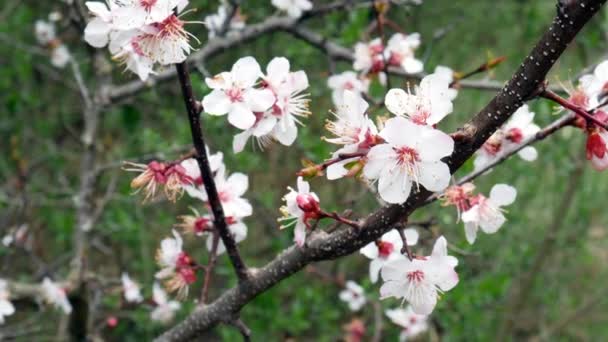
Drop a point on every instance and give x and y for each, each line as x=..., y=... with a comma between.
x=194, y=109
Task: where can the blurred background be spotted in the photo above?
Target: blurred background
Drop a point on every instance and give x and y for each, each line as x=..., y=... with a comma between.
x=541, y=277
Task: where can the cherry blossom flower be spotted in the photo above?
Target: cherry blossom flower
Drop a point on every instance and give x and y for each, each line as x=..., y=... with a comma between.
x=430, y=104
x=348, y=80
x=421, y=280
x=6, y=307
x=412, y=324
x=400, y=52
x=171, y=176
x=354, y=295
x=55, y=295
x=412, y=154
x=386, y=249
x=301, y=205
x=294, y=8
x=176, y=265
x=230, y=190
x=233, y=94
x=215, y=22
x=140, y=33
x=352, y=128
x=512, y=134
x=165, y=309
x=486, y=213
x=131, y=289
x=279, y=121
x=369, y=56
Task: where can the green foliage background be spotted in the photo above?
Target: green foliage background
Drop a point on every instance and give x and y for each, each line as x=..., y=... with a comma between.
x=40, y=121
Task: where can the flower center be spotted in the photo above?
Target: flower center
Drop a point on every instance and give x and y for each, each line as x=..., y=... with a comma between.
x=349, y=86
x=385, y=248
x=407, y=156
x=171, y=26
x=415, y=276
x=515, y=135
x=307, y=203
x=235, y=94
x=201, y=224
x=147, y=4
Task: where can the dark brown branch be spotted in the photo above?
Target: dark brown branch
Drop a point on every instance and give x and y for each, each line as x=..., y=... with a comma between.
x=219, y=221
x=569, y=20
x=578, y=110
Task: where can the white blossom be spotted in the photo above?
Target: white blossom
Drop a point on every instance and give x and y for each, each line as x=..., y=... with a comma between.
x=55, y=295
x=421, y=280
x=386, y=249
x=400, y=52
x=430, y=104
x=279, y=121
x=510, y=136
x=411, y=323
x=131, y=289
x=412, y=154
x=301, y=205
x=215, y=22
x=486, y=213
x=353, y=295
x=233, y=94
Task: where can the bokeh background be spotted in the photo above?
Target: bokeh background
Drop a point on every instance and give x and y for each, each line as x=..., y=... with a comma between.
x=541, y=277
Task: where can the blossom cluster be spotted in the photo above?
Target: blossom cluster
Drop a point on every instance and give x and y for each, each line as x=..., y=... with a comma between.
x=407, y=151
x=268, y=112
x=140, y=34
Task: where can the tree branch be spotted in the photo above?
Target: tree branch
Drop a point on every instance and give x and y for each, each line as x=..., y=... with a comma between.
x=570, y=18
x=219, y=221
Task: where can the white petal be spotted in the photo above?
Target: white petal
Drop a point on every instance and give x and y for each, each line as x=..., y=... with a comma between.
x=434, y=176
x=378, y=156
x=239, y=182
x=470, y=231
x=286, y=134
x=374, y=269
x=395, y=186
x=503, y=194
x=434, y=144
x=370, y=250
x=528, y=153
x=217, y=103
x=96, y=33
x=401, y=132
x=240, y=140
x=412, y=65
x=245, y=72
x=300, y=234
x=411, y=235
x=259, y=100
x=240, y=116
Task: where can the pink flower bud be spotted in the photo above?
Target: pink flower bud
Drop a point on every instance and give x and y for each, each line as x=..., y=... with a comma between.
x=307, y=203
